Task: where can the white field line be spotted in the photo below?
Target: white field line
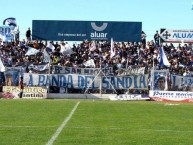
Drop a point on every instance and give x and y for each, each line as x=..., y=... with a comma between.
x=58, y=131
x=11, y=126
x=113, y=128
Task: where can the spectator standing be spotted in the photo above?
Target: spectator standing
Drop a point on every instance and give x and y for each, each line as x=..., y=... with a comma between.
x=156, y=38
x=143, y=38
x=28, y=35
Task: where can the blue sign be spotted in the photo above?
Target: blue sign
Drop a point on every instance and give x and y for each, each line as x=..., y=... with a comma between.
x=86, y=30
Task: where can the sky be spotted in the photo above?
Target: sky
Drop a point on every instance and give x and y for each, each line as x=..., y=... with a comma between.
x=154, y=14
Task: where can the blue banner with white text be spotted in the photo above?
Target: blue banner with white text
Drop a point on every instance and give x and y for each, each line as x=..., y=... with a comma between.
x=86, y=30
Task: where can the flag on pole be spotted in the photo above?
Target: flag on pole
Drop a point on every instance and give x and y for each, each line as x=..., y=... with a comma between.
x=112, y=48
x=50, y=47
x=163, y=59
x=2, y=67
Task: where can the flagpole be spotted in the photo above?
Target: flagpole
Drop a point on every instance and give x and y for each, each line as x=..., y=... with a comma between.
x=101, y=78
x=49, y=77
x=153, y=75
x=49, y=69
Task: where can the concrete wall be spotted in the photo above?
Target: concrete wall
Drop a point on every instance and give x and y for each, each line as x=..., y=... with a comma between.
x=76, y=96
x=79, y=96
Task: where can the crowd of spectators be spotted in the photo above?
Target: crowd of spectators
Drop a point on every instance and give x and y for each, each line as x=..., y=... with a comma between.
x=126, y=54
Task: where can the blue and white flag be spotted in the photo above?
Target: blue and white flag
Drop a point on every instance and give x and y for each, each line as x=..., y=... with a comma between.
x=31, y=51
x=50, y=47
x=10, y=21
x=163, y=59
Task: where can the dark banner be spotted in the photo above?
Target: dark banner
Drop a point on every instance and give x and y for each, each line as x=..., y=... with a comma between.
x=86, y=30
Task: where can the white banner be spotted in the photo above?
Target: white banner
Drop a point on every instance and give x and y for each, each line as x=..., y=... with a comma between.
x=181, y=81
x=14, y=92
x=34, y=93
x=131, y=71
x=129, y=97
x=174, y=35
x=84, y=71
x=167, y=96
x=39, y=68
x=84, y=81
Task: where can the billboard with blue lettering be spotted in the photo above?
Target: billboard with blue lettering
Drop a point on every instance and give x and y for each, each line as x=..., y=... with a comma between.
x=86, y=30
x=177, y=35
x=78, y=81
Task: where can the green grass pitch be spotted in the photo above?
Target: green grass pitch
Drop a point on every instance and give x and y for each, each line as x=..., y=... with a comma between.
x=95, y=122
